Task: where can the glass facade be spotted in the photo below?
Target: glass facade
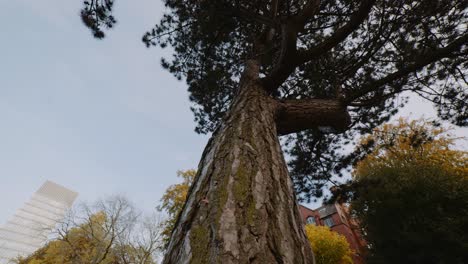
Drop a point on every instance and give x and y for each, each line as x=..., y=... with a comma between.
x=31, y=225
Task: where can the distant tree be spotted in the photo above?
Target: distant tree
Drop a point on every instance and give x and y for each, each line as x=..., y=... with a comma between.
x=173, y=201
x=110, y=232
x=306, y=69
x=411, y=195
x=77, y=245
x=329, y=247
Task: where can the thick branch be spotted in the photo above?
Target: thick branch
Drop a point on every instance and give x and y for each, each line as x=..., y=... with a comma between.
x=287, y=61
x=269, y=30
x=290, y=58
x=422, y=61
x=248, y=15
x=309, y=10
x=324, y=114
x=274, y=8
x=340, y=34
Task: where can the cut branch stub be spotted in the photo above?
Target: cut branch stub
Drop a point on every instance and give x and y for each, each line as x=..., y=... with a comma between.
x=301, y=114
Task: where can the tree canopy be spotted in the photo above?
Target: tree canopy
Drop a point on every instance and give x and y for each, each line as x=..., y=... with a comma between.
x=109, y=232
x=411, y=195
x=362, y=54
x=76, y=245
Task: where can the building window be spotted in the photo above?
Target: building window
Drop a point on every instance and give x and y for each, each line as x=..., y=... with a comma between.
x=328, y=221
x=310, y=220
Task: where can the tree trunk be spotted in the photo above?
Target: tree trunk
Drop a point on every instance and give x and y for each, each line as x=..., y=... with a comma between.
x=241, y=207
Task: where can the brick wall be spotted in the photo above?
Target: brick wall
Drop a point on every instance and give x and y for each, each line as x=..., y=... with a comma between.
x=338, y=219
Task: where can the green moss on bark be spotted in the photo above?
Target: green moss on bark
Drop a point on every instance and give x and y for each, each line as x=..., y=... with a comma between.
x=222, y=197
x=199, y=241
x=242, y=191
x=242, y=184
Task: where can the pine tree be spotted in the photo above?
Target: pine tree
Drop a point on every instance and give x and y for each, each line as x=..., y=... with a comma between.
x=318, y=72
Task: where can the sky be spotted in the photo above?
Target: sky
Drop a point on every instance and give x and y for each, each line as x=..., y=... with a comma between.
x=98, y=116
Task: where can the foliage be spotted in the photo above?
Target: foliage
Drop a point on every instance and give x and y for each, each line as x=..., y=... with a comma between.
x=411, y=195
x=329, y=247
x=411, y=142
x=97, y=14
x=173, y=202
x=107, y=233
x=362, y=53
x=77, y=244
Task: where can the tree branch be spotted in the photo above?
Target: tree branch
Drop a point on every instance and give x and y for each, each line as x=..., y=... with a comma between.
x=309, y=10
x=422, y=61
x=290, y=58
x=340, y=34
x=271, y=30
x=274, y=8
x=326, y=114
x=287, y=61
x=246, y=14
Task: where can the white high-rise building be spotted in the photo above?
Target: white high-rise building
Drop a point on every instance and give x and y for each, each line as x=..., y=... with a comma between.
x=31, y=225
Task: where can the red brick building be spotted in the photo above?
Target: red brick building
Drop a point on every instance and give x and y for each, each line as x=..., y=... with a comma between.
x=337, y=217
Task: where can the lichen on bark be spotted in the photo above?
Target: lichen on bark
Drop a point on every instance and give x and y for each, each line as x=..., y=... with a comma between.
x=199, y=238
x=242, y=208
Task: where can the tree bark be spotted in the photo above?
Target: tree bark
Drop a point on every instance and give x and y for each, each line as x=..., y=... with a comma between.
x=298, y=115
x=241, y=207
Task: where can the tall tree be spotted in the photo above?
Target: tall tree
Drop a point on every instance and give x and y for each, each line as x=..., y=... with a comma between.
x=411, y=195
x=310, y=69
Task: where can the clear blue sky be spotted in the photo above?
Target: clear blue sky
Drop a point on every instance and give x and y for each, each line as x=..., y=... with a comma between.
x=100, y=117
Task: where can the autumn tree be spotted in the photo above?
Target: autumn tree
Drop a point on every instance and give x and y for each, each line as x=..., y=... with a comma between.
x=77, y=245
x=173, y=200
x=318, y=72
x=411, y=195
x=109, y=232
x=329, y=247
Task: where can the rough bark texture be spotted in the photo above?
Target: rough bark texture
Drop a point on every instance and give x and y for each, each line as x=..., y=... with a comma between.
x=242, y=208
x=298, y=115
